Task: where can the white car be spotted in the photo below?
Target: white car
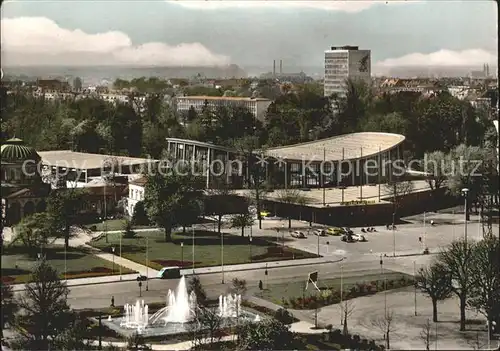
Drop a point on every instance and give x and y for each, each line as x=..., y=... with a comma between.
x=298, y=234
x=359, y=237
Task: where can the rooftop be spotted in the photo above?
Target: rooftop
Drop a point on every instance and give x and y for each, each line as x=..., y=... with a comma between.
x=83, y=160
x=228, y=98
x=341, y=147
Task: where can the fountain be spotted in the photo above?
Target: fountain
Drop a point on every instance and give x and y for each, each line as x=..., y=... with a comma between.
x=177, y=315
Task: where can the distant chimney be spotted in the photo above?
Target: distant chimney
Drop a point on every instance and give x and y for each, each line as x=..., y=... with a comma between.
x=281, y=67
x=274, y=68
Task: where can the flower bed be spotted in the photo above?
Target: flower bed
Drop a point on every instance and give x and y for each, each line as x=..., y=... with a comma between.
x=171, y=263
x=7, y=279
x=332, y=296
x=281, y=252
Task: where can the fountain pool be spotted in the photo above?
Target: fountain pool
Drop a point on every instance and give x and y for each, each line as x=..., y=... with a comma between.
x=177, y=316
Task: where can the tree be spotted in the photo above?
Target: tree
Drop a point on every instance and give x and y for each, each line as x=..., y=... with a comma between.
x=128, y=231
x=347, y=310
x=248, y=146
x=485, y=278
x=140, y=217
x=269, y=334
x=457, y=259
x=173, y=199
x=137, y=342
x=289, y=197
x=62, y=207
x=397, y=190
x=386, y=325
x=238, y=286
x=426, y=334
x=194, y=284
x=435, y=281
x=46, y=314
x=438, y=164
x=242, y=221
x=33, y=232
x=218, y=197
x=9, y=306
x=207, y=328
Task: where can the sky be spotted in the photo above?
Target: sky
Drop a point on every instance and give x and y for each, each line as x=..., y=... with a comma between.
x=191, y=33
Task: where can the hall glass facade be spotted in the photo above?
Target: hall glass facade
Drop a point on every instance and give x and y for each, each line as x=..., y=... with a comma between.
x=219, y=163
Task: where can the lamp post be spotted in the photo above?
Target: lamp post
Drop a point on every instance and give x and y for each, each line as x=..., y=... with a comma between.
x=113, y=251
x=147, y=264
x=65, y=265
x=341, y=294
x=193, y=244
x=393, y=235
x=120, y=266
x=385, y=285
x=318, y=242
x=465, y=191
x=415, y=284
x=250, y=246
x=182, y=253
x=222, y=254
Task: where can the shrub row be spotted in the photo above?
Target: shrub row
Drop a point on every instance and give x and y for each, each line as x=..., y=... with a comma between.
x=332, y=296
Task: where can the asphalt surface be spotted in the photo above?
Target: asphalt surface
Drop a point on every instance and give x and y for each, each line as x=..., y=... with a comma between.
x=99, y=295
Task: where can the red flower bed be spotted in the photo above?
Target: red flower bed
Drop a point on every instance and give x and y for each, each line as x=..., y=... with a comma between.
x=170, y=263
x=7, y=279
x=100, y=270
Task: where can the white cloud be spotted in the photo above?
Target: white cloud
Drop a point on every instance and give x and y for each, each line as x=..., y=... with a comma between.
x=471, y=57
x=32, y=40
x=337, y=5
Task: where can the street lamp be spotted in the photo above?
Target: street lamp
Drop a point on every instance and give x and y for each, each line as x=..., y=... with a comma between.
x=147, y=264
x=415, y=283
x=393, y=235
x=341, y=294
x=192, y=227
x=222, y=254
x=182, y=253
x=465, y=191
x=318, y=242
x=120, y=266
x=113, y=251
x=385, y=284
x=250, y=246
x=490, y=328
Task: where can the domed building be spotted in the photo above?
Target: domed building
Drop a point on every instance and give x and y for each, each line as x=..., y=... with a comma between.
x=23, y=192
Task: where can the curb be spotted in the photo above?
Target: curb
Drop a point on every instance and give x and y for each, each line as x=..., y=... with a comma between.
x=190, y=274
x=269, y=267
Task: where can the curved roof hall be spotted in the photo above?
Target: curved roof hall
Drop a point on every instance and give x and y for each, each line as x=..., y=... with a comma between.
x=341, y=147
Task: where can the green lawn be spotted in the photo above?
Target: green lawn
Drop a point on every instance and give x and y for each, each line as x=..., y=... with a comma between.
x=80, y=263
x=207, y=249
x=110, y=225
x=294, y=289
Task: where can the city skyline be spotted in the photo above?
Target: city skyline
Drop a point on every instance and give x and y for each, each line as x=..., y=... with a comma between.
x=175, y=33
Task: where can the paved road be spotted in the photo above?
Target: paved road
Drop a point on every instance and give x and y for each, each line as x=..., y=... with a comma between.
x=99, y=295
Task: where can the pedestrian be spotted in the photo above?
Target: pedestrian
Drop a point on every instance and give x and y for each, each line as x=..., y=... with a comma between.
x=112, y=301
x=261, y=286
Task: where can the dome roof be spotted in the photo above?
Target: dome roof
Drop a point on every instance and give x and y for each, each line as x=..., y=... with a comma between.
x=14, y=150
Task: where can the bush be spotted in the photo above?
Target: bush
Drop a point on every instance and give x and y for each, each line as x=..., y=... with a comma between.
x=284, y=316
x=128, y=231
x=140, y=217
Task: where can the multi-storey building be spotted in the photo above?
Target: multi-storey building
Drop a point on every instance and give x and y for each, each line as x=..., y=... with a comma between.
x=257, y=106
x=342, y=63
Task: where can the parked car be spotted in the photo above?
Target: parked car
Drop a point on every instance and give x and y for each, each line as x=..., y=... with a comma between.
x=265, y=214
x=173, y=272
x=335, y=231
x=359, y=237
x=348, y=230
x=348, y=238
x=320, y=232
x=298, y=234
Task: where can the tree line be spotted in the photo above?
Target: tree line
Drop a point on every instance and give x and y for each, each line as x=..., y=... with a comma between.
x=438, y=122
